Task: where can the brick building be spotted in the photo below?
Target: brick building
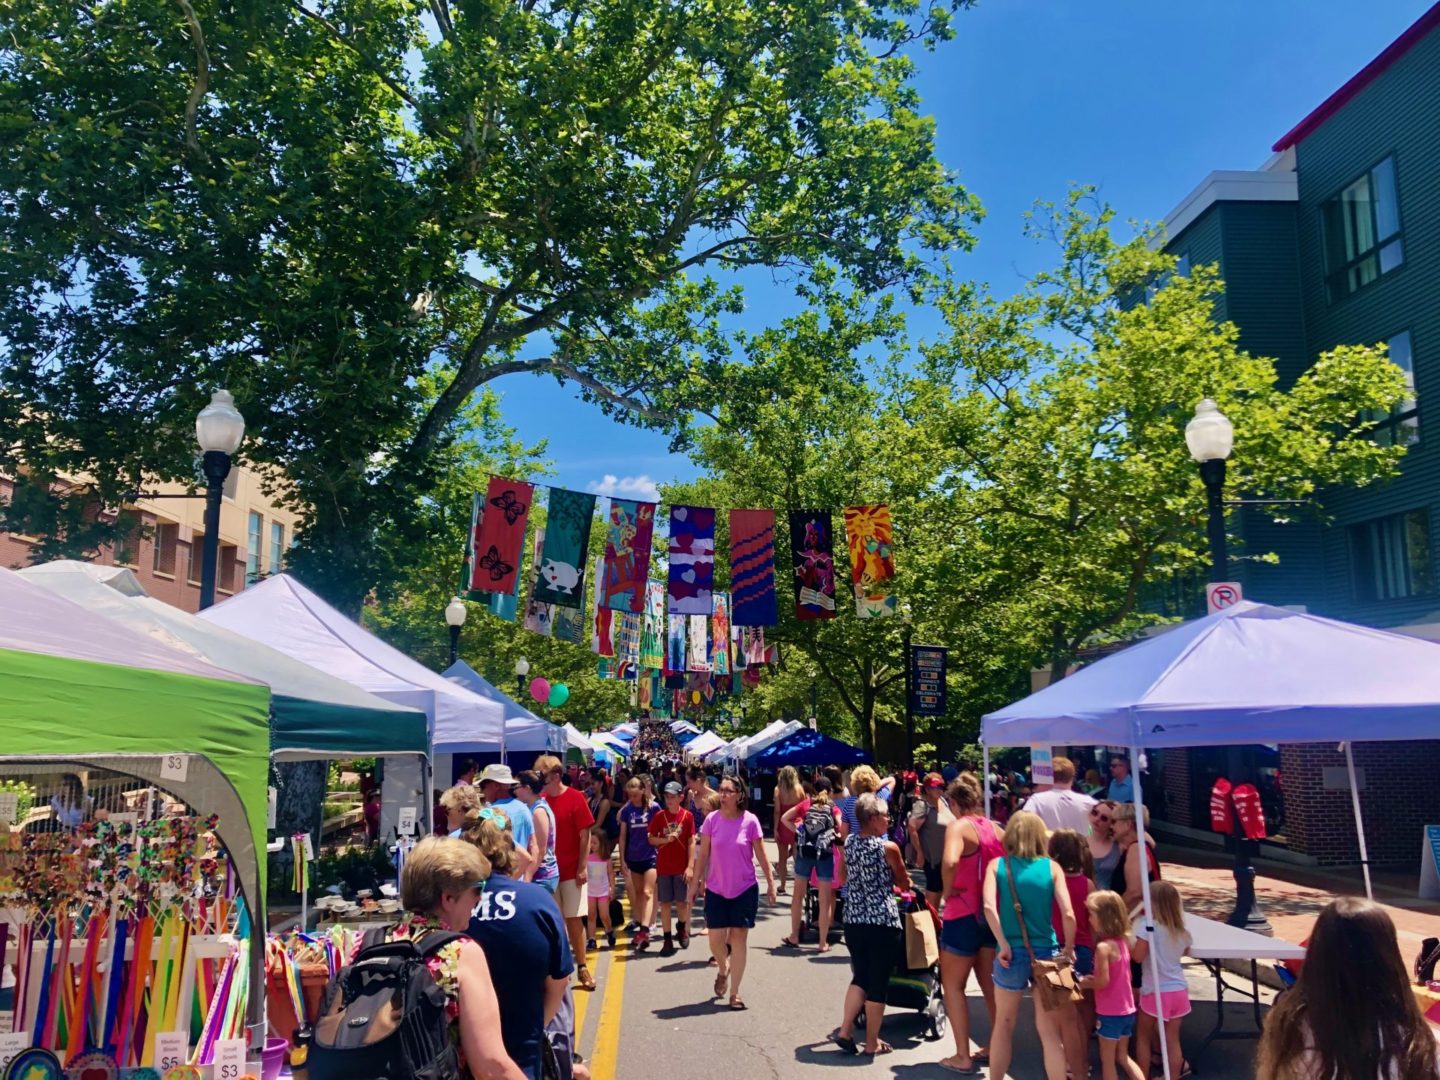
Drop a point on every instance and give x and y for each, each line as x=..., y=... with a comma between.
x=165, y=550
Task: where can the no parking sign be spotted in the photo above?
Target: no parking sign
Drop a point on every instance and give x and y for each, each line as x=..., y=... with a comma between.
x=1220, y=595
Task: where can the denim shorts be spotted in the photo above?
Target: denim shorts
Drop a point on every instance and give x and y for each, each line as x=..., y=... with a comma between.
x=1016, y=977
x=966, y=936
x=823, y=867
x=1116, y=1027
x=1084, y=960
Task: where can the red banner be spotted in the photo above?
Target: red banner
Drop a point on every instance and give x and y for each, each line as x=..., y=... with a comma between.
x=501, y=536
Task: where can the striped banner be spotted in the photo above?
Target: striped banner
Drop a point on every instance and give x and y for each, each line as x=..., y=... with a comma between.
x=752, y=568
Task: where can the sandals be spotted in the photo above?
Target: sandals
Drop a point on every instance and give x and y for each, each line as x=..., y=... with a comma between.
x=721, y=980
x=737, y=1004
x=584, y=978
x=786, y=943
x=973, y=1070
x=882, y=1047
x=844, y=1042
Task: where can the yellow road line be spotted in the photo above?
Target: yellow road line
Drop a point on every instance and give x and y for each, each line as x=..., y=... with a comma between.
x=605, y=1057
x=582, y=997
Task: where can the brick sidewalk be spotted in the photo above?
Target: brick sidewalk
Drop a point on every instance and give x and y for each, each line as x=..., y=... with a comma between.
x=1292, y=897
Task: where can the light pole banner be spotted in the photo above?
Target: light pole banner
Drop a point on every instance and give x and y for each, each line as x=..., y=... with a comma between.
x=927, y=680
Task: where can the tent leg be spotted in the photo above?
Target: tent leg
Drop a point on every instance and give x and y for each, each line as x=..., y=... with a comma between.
x=1146, y=915
x=985, y=757
x=1359, y=822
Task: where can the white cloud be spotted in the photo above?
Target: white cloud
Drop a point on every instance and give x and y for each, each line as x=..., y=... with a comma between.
x=626, y=487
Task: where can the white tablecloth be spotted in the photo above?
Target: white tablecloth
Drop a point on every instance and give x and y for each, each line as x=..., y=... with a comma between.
x=1213, y=940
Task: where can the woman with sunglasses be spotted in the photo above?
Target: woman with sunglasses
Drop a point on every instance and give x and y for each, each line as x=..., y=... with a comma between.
x=441, y=884
x=1103, y=848
x=731, y=843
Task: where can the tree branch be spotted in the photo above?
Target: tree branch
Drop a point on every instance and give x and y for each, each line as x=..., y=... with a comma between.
x=339, y=36
x=202, y=75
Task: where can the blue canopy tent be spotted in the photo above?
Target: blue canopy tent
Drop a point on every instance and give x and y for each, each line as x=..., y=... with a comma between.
x=1250, y=673
x=806, y=747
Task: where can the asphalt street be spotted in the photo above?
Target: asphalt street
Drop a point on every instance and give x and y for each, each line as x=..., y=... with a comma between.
x=655, y=1017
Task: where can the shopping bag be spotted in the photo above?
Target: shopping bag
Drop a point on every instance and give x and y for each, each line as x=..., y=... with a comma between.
x=921, y=948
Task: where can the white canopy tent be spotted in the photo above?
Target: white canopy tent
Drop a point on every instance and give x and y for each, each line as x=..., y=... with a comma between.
x=704, y=744
x=576, y=741
x=524, y=730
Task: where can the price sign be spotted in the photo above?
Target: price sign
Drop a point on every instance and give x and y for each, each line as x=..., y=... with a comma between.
x=9, y=807
x=271, y=808
x=11, y=1045
x=175, y=767
x=309, y=845
x=229, y=1059
x=171, y=1048
x=406, y=822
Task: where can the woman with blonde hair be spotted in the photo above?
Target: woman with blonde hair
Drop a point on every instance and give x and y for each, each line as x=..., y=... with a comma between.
x=788, y=793
x=863, y=781
x=1021, y=888
x=457, y=802
x=441, y=883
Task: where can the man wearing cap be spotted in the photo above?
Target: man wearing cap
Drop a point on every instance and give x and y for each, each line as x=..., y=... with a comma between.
x=497, y=784
x=928, y=820
x=672, y=832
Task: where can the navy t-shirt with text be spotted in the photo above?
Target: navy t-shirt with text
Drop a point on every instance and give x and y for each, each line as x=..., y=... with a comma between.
x=518, y=926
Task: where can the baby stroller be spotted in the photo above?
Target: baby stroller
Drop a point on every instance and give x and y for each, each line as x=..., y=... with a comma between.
x=917, y=988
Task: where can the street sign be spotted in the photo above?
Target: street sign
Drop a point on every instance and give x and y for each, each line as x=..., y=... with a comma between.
x=1220, y=595
x=927, y=680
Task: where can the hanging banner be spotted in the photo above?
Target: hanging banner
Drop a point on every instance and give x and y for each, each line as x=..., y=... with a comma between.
x=652, y=630
x=628, y=533
x=560, y=575
x=720, y=634
x=537, y=612
x=568, y=624
x=697, y=652
x=676, y=635
x=602, y=637
x=812, y=555
x=752, y=568
x=503, y=605
x=692, y=559
x=499, y=538
x=627, y=643
x=871, y=537
x=927, y=680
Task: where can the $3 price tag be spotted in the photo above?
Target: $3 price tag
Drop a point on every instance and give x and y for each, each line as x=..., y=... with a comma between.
x=229, y=1059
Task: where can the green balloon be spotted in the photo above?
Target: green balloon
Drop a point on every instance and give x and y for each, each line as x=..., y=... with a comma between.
x=559, y=694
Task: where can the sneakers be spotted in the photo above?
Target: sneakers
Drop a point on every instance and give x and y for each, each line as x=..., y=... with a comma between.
x=632, y=927
x=590, y=944
x=684, y=936
x=610, y=937
x=668, y=949
x=642, y=939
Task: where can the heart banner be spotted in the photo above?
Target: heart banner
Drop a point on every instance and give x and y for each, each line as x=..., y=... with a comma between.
x=692, y=559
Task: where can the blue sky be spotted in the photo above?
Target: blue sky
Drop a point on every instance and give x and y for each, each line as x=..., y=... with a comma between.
x=1142, y=97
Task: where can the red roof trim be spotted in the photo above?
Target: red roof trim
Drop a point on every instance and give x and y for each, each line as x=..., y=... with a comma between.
x=1363, y=78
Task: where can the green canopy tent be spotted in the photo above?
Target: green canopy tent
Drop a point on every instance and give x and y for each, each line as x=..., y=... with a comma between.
x=76, y=687
x=313, y=714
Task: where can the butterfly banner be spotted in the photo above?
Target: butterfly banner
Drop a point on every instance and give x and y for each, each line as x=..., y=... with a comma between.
x=499, y=535
x=628, y=533
x=538, y=614
x=720, y=634
x=692, y=559
x=652, y=630
x=752, y=568
x=872, y=565
x=560, y=575
x=812, y=555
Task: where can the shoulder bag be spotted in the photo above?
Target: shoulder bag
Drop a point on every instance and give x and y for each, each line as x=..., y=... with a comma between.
x=1055, y=985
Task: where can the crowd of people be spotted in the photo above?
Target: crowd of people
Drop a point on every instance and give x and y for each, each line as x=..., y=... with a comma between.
x=533, y=868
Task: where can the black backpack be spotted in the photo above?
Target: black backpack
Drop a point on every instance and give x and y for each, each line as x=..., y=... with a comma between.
x=383, y=1017
x=817, y=832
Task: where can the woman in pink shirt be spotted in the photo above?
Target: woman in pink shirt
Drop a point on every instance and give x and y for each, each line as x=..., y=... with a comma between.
x=731, y=843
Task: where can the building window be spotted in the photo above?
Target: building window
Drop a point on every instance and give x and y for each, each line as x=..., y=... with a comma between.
x=1401, y=427
x=193, y=556
x=228, y=561
x=277, y=545
x=162, y=557
x=1390, y=557
x=254, y=538
x=1362, y=232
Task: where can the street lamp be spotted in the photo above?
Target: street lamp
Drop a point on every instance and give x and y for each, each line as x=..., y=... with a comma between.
x=219, y=429
x=522, y=668
x=1210, y=438
x=906, y=618
x=455, y=613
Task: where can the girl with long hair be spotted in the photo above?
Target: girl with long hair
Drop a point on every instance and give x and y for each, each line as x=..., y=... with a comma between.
x=809, y=820
x=1170, y=944
x=1109, y=982
x=1351, y=1015
x=788, y=793
x=1068, y=848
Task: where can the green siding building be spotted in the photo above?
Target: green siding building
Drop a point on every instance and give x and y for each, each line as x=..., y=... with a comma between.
x=1336, y=240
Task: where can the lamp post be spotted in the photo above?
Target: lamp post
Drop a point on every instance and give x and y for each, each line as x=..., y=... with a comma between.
x=219, y=429
x=814, y=717
x=522, y=668
x=906, y=618
x=455, y=613
x=1210, y=437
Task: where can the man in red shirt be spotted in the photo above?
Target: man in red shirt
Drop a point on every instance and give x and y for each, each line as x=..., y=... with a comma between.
x=672, y=831
x=573, y=822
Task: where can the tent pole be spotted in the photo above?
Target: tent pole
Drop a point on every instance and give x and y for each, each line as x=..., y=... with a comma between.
x=1148, y=914
x=1359, y=822
x=985, y=756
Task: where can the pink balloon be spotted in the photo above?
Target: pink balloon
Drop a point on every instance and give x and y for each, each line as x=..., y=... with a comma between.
x=540, y=689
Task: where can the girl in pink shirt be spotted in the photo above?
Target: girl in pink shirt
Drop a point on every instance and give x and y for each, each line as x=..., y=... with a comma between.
x=1114, y=997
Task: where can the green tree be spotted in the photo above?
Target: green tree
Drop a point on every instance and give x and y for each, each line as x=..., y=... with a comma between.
x=1067, y=405
x=316, y=202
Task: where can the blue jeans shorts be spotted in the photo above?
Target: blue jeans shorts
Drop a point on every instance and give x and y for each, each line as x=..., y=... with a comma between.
x=824, y=868
x=1016, y=977
x=1084, y=960
x=966, y=936
x=1116, y=1027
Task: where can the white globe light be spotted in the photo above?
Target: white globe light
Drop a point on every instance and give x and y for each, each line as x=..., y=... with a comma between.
x=522, y=667
x=1209, y=435
x=220, y=427
x=455, y=612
